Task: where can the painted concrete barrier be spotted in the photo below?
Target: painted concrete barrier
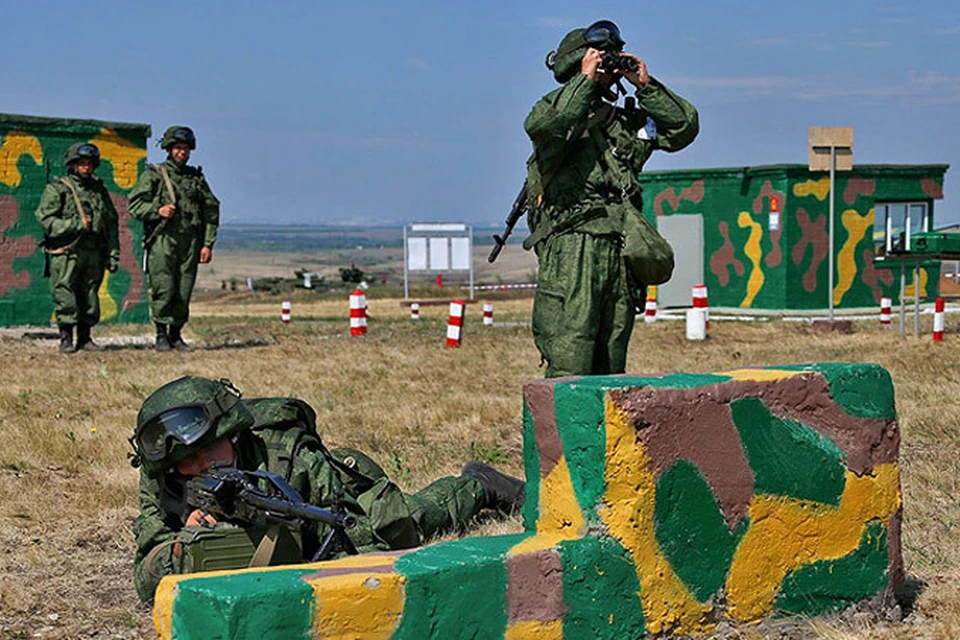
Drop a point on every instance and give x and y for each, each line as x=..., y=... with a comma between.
x=654, y=505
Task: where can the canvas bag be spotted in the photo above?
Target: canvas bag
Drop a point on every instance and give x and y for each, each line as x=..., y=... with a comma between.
x=647, y=254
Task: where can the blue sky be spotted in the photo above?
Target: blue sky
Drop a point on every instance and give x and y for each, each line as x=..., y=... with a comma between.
x=373, y=112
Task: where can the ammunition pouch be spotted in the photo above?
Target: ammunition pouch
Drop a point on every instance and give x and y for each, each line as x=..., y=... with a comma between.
x=227, y=547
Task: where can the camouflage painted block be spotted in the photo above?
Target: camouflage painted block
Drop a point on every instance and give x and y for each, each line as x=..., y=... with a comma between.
x=655, y=504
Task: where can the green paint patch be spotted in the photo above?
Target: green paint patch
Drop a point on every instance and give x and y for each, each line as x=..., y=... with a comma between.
x=531, y=466
x=266, y=605
x=691, y=531
x=862, y=390
x=456, y=590
x=673, y=380
x=787, y=458
x=580, y=421
x=601, y=590
x=831, y=585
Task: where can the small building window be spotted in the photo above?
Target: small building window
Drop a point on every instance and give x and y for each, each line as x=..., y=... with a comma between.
x=895, y=223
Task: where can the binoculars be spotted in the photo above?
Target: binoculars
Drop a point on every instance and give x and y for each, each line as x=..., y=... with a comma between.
x=615, y=62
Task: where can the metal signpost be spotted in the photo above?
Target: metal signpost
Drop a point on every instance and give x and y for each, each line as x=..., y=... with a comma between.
x=436, y=248
x=831, y=149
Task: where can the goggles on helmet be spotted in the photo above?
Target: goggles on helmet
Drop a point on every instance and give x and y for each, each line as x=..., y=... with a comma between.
x=182, y=134
x=88, y=151
x=185, y=424
x=603, y=33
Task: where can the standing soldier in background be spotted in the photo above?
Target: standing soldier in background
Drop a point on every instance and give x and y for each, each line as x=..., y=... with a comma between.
x=582, y=187
x=80, y=239
x=180, y=217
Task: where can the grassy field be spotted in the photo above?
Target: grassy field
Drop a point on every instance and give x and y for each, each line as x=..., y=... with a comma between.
x=68, y=495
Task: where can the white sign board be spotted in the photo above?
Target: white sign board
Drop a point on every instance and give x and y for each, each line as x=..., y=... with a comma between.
x=437, y=247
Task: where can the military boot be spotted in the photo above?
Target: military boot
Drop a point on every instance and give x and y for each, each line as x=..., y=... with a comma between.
x=66, y=338
x=176, y=340
x=163, y=343
x=84, y=341
x=500, y=491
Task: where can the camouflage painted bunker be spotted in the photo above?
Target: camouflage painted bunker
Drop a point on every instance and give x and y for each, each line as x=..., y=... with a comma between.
x=31, y=154
x=757, y=236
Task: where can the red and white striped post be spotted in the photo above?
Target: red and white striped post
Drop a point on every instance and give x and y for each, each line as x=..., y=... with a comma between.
x=650, y=307
x=414, y=310
x=938, y=321
x=455, y=324
x=885, y=304
x=488, y=315
x=285, y=312
x=358, y=313
x=700, y=302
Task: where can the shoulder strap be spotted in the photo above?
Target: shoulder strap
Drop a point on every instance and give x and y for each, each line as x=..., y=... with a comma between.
x=285, y=425
x=169, y=185
x=76, y=200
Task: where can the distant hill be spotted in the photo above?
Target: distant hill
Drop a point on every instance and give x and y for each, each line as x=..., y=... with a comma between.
x=263, y=237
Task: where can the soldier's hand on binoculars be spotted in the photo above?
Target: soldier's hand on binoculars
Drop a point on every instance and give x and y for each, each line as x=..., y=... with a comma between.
x=167, y=210
x=590, y=63
x=640, y=77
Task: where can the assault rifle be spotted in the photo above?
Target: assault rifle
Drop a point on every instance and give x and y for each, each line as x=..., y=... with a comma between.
x=261, y=498
x=516, y=212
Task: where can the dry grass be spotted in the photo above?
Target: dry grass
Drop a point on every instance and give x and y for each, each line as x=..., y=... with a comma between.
x=68, y=497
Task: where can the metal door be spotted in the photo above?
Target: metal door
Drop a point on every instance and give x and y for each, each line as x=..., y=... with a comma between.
x=685, y=235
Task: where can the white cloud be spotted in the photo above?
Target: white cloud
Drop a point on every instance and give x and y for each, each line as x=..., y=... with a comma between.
x=928, y=88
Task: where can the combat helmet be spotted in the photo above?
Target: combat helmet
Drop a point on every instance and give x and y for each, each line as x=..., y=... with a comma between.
x=565, y=60
x=82, y=150
x=178, y=133
x=183, y=417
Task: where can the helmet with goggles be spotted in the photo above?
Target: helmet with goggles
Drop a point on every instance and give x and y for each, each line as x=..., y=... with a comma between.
x=603, y=35
x=178, y=133
x=183, y=417
x=82, y=150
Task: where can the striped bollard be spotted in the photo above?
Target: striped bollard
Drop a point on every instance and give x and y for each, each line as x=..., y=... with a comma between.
x=414, y=310
x=700, y=302
x=938, y=321
x=650, y=308
x=285, y=312
x=358, y=313
x=488, y=315
x=455, y=324
x=885, y=304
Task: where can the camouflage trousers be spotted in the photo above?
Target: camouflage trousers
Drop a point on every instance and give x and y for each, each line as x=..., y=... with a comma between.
x=583, y=311
x=172, y=271
x=75, y=279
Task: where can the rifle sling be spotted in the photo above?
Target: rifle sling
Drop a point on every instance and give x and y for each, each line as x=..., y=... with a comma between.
x=173, y=200
x=264, y=552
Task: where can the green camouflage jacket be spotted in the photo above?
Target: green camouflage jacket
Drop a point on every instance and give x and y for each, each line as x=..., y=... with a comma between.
x=61, y=221
x=588, y=177
x=198, y=210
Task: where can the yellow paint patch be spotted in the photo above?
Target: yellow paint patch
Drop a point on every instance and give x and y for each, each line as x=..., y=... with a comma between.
x=163, y=601
x=539, y=542
x=761, y=375
x=535, y=630
x=559, y=510
x=14, y=145
x=108, y=306
x=123, y=155
x=856, y=226
x=786, y=534
x=908, y=291
x=360, y=606
x=817, y=188
x=630, y=500
x=753, y=251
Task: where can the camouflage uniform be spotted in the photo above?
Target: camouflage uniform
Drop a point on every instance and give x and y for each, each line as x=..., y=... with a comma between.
x=387, y=518
x=173, y=258
x=78, y=257
x=584, y=306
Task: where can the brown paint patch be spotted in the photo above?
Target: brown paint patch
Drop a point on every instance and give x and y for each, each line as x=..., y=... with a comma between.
x=858, y=187
x=127, y=257
x=872, y=277
x=539, y=398
x=775, y=256
x=535, y=587
x=932, y=188
x=725, y=257
x=693, y=193
x=689, y=424
x=813, y=233
x=895, y=567
x=12, y=248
